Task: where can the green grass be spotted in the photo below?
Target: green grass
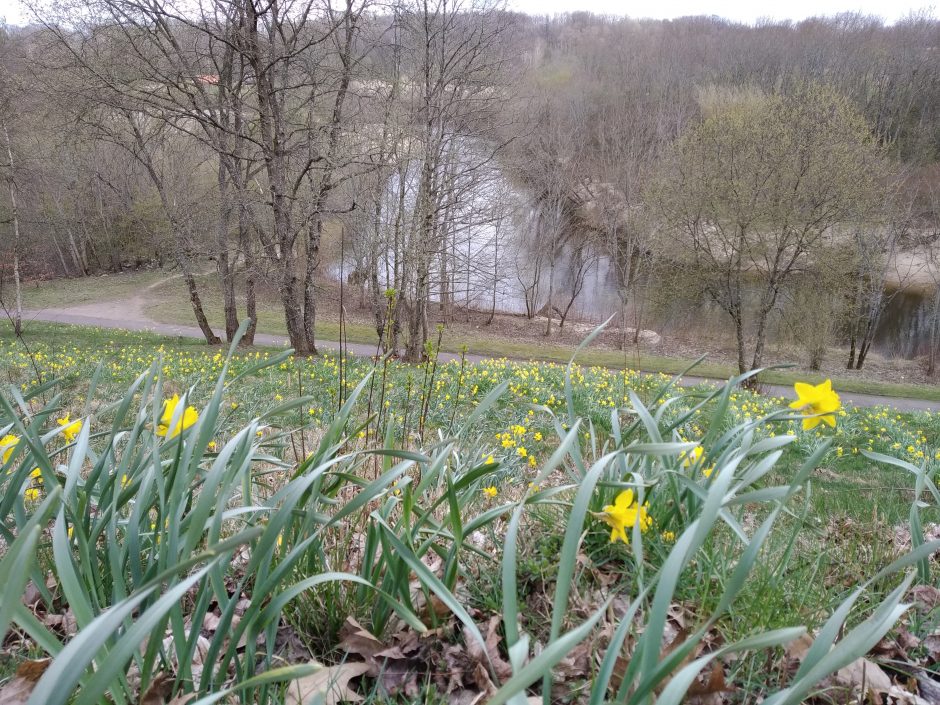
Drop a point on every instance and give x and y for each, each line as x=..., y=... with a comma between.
x=61, y=293
x=836, y=533
x=845, y=485
x=169, y=303
x=270, y=321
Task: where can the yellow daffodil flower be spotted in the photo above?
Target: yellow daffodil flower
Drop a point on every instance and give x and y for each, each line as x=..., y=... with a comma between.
x=70, y=429
x=817, y=402
x=624, y=514
x=691, y=457
x=7, y=444
x=187, y=418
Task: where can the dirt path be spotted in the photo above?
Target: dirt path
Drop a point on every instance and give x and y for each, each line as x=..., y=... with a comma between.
x=130, y=314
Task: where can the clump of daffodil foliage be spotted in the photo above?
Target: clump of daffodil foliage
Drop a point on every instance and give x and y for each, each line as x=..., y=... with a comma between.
x=162, y=489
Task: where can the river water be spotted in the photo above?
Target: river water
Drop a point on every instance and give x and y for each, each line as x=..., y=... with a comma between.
x=499, y=257
x=903, y=330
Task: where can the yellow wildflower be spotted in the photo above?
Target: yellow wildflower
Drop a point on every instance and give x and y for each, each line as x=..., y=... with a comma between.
x=70, y=429
x=187, y=418
x=624, y=514
x=691, y=457
x=818, y=403
x=490, y=491
x=7, y=444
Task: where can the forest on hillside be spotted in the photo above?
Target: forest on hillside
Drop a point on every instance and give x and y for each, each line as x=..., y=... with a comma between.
x=776, y=182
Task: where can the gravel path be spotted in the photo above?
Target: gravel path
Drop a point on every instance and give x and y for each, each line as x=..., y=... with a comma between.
x=131, y=315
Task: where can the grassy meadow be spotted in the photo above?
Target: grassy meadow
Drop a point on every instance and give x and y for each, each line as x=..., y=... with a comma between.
x=165, y=301
x=185, y=525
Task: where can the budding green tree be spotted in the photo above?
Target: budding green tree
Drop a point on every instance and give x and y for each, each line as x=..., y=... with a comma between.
x=755, y=192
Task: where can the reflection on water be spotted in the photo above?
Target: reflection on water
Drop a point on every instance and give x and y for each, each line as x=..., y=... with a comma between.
x=904, y=330
x=500, y=254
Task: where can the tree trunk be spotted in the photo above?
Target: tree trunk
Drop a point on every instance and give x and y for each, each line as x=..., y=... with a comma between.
x=190, y=280
x=14, y=216
x=251, y=307
x=495, y=275
x=549, y=307
x=314, y=238
x=739, y=337
x=272, y=140
x=66, y=271
x=77, y=257
x=225, y=266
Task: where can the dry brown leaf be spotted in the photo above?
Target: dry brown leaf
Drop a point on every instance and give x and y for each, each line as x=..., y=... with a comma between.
x=896, y=647
x=860, y=678
x=182, y=699
x=18, y=690
x=356, y=639
x=711, y=691
x=932, y=644
x=927, y=688
x=482, y=680
x=393, y=666
x=902, y=696
x=502, y=668
x=576, y=663
x=64, y=623
x=158, y=691
x=467, y=697
x=926, y=597
x=332, y=682
x=31, y=594
x=211, y=623
x=202, y=650
x=796, y=649
x=620, y=671
x=677, y=640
